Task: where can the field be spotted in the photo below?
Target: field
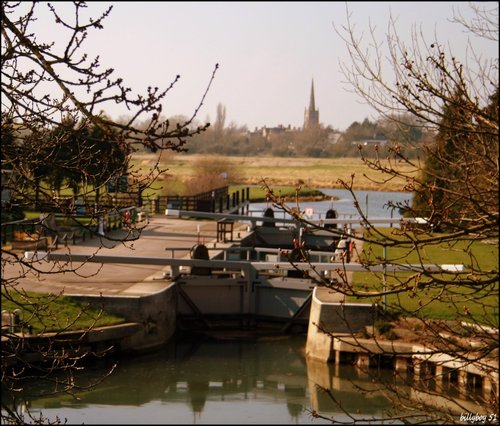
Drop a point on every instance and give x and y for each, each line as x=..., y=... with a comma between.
x=311, y=172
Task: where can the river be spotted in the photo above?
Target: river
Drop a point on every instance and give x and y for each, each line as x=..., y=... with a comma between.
x=373, y=204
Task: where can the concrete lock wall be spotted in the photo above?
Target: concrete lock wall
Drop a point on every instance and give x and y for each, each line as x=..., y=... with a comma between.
x=328, y=319
x=212, y=295
x=155, y=313
x=282, y=303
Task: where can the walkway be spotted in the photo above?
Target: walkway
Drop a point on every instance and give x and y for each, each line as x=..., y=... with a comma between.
x=126, y=279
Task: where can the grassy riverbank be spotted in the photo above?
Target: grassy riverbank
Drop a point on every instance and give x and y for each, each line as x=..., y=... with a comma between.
x=436, y=301
x=284, y=175
x=48, y=313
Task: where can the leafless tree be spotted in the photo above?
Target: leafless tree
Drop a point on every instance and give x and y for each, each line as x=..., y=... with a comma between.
x=53, y=98
x=455, y=189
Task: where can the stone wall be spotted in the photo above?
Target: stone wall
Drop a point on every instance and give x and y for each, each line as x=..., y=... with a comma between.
x=155, y=313
x=328, y=319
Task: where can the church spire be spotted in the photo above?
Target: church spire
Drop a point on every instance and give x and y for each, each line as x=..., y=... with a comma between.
x=312, y=105
x=311, y=114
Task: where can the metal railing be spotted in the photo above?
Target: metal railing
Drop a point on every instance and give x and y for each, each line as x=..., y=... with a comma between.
x=176, y=213
x=247, y=268
x=9, y=229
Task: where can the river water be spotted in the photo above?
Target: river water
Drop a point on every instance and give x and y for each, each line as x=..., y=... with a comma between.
x=373, y=204
x=264, y=381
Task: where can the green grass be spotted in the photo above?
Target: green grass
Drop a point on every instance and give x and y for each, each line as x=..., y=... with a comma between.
x=48, y=313
x=449, y=300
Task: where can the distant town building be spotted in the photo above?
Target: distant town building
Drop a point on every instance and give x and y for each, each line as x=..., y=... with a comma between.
x=311, y=114
x=334, y=137
x=269, y=131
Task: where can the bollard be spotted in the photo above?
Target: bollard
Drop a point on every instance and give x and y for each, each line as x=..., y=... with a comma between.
x=6, y=319
x=269, y=212
x=17, y=316
x=199, y=251
x=331, y=214
x=11, y=320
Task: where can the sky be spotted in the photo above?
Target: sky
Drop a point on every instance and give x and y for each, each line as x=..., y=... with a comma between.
x=268, y=54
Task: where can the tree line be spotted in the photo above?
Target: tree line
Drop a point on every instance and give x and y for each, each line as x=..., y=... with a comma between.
x=323, y=141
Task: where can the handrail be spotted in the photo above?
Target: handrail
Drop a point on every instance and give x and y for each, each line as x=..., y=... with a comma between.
x=188, y=213
x=255, y=249
x=244, y=265
x=9, y=228
x=20, y=222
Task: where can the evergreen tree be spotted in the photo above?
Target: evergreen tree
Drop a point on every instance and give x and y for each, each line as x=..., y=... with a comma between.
x=451, y=166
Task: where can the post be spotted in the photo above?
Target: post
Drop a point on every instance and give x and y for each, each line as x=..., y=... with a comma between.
x=384, y=280
x=401, y=365
x=462, y=382
x=439, y=377
x=362, y=360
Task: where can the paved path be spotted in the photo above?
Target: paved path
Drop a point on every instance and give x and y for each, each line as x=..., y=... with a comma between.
x=128, y=279
x=158, y=236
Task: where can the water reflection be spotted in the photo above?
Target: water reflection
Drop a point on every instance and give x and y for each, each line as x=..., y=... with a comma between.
x=225, y=382
x=346, y=384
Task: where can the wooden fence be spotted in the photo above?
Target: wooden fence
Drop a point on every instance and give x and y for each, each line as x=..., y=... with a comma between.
x=215, y=201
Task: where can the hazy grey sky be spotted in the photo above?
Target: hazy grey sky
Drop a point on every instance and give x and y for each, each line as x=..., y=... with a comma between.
x=268, y=53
